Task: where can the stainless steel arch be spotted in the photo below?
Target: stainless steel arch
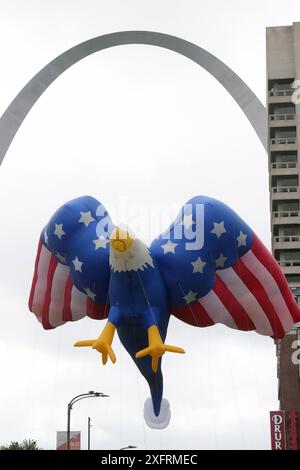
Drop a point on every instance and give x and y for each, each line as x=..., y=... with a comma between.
x=16, y=112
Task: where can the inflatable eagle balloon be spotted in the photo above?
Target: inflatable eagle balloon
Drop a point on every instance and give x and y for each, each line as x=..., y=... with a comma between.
x=208, y=267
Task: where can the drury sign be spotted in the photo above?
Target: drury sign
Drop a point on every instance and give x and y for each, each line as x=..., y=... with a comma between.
x=277, y=423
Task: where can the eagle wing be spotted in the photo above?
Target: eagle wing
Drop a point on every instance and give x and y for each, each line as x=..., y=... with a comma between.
x=216, y=270
x=71, y=275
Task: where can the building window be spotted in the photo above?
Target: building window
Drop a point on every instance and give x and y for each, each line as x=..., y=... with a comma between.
x=285, y=184
x=282, y=112
x=286, y=205
x=293, y=279
x=289, y=230
x=290, y=255
x=281, y=87
x=283, y=135
x=283, y=157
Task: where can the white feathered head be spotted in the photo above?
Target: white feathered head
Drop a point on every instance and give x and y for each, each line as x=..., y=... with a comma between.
x=128, y=253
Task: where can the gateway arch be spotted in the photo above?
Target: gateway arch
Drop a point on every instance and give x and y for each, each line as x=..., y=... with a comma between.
x=16, y=112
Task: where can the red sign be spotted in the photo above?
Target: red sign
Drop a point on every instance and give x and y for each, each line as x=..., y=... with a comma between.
x=277, y=422
x=61, y=440
x=293, y=430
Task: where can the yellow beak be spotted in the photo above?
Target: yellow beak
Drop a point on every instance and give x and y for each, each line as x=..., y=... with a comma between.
x=120, y=239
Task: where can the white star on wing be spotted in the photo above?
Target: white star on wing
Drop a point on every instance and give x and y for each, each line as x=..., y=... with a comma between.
x=90, y=294
x=198, y=265
x=190, y=296
x=218, y=229
x=101, y=242
x=61, y=258
x=59, y=232
x=187, y=220
x=169, y=247
x=77, y=264
x=242, y=239
x=220, y=261
x=46, y=237
x=86, y=218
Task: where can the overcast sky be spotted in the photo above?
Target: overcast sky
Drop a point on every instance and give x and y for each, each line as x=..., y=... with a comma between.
x=131, y=125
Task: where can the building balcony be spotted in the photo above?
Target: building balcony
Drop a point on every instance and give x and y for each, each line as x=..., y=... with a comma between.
x=281, y=120
x=286, y=242
x=285, y=217
x=283, y=165
x=290, y=267
x=283, y=143
x=285, y=192
x=280, y=96
x=276, y=93
x=284, y=168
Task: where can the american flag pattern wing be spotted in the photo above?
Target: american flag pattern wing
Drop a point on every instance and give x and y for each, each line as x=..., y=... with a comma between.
x=71, y=274
x=216, y=270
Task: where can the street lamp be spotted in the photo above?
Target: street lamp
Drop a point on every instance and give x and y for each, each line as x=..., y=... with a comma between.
x=74, y=400
x=128, y=447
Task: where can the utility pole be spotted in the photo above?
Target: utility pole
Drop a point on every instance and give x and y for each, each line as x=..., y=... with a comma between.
x=89, y=433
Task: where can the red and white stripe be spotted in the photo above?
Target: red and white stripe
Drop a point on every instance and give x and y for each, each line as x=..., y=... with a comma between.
x=53, y=297
x=253, y=294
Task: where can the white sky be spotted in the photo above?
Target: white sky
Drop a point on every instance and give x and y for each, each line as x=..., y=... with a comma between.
x=142, y=125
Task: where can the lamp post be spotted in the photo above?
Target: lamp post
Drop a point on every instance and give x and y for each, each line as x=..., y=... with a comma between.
x=128, y=447
x=70, y=405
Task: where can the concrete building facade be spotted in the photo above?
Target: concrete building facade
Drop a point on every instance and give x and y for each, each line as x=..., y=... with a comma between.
x=283, y=68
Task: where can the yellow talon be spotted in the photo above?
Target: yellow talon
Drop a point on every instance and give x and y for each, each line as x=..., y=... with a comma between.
x=156, y=348
x=102, y=344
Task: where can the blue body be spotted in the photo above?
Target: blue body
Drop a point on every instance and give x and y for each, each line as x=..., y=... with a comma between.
x=137, y=301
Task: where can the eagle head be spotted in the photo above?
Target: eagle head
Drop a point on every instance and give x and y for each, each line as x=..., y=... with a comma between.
x=128, y=253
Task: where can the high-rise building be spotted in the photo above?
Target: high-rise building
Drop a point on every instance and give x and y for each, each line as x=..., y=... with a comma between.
x=283, y=68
